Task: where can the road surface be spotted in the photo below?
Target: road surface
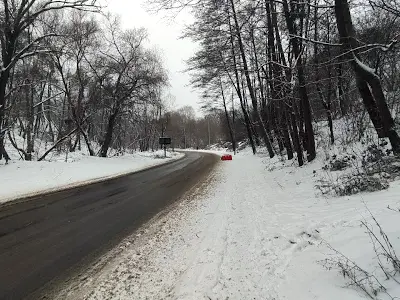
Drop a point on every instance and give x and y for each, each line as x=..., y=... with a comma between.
x=46, y=237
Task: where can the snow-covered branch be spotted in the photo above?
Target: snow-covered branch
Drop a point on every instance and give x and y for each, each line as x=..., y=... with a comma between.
x=23, y=53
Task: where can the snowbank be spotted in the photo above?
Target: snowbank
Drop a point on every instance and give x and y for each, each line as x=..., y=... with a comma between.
x=21, y=178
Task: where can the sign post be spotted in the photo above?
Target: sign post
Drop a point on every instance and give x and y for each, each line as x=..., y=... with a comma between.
x=164, y=141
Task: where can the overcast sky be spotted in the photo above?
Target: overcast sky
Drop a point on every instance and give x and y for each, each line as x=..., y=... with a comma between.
x=164, y=33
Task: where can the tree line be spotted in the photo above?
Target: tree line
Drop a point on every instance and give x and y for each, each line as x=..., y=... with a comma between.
x=278, y=66
x=72, y=77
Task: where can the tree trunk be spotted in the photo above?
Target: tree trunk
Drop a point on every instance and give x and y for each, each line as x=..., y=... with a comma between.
x=296, y=138
x=370, y=105
x=330, y=124
x=309, y=131
x=368, y=82
x=3, y=152
x=258, y=71
x=286, y=137
x=109, y=133
x=4, y=76
x=342, y=104
x=231, y=135
x=239, y=92
x=30, y=120
x=233, y=123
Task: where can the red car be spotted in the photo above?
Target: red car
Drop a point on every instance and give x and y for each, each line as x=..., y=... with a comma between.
x=226, y=157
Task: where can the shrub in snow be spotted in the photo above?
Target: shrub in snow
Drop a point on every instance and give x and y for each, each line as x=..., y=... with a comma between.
x=372, y=154
x=386, y=165
x=369, y=171
x=338, y=163
x=350, y=184
x=386, y=260
x=376, y=160
x=357, y=277
x=353, y=184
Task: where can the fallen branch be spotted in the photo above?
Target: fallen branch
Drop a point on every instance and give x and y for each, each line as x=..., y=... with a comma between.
x=21, y=152
x=60, y=141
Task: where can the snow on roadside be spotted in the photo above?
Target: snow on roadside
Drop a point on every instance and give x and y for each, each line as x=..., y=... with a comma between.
x=21, y=178
x=251, y=234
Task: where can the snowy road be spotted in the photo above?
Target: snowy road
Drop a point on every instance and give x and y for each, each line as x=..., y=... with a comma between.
x=42, y=238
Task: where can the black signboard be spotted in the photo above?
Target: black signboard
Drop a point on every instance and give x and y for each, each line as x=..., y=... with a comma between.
x=165, y=141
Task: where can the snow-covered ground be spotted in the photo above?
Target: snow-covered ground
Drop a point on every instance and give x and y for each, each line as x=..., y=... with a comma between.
x=21, y=178
x=255, y=229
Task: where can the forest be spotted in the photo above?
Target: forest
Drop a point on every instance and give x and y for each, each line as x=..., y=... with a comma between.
x=279, y=67
x=73, y=78
x=269, y=70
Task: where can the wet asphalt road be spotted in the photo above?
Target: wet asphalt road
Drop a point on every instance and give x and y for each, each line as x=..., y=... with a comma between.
x=46, y=237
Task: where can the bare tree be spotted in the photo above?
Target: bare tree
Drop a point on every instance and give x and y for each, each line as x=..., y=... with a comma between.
x=16, y=17
x=124, y=70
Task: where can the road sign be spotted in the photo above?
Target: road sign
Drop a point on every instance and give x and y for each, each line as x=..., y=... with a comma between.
x=165, y=141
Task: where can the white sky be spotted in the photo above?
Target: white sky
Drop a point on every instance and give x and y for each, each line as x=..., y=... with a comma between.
x=164, y=34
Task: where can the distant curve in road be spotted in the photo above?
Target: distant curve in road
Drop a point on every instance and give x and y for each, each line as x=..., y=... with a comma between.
x=44, y=237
